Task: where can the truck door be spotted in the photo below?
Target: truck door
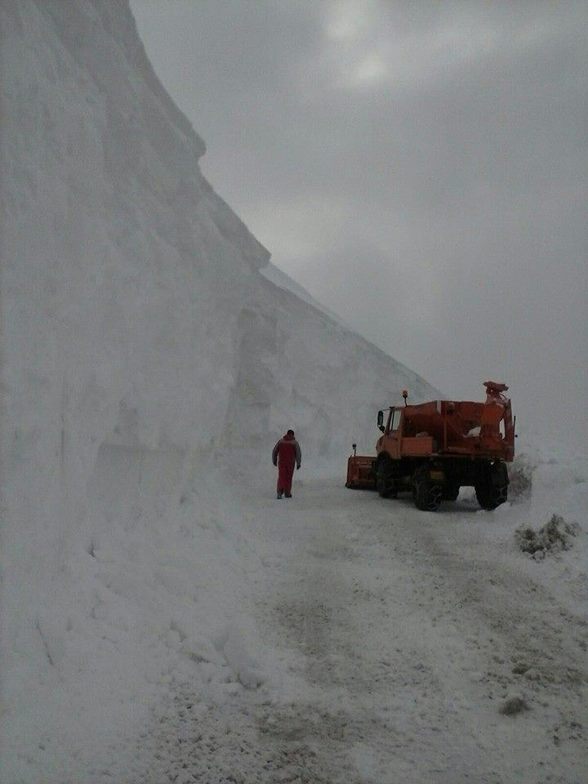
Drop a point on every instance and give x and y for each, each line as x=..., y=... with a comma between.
x=394, y=431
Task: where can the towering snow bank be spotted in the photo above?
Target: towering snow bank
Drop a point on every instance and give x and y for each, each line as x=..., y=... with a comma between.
x=139, y=341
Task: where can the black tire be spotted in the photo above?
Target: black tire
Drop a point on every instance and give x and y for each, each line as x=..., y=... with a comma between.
x=385, y=484
x=427, y=494
x=492, y=489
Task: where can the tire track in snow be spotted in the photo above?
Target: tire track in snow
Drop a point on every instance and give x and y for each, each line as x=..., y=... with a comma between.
x=363, y=659
x=454, y=647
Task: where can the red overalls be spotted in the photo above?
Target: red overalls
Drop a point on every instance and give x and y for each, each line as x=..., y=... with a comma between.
x=286, y=455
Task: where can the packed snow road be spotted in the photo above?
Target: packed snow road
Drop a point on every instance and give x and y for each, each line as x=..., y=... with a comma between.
x=386, y=645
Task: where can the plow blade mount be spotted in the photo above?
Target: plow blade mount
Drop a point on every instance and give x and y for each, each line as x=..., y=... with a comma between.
x=361, y=472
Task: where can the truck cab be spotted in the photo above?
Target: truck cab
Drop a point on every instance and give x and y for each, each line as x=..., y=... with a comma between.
x=401, y=436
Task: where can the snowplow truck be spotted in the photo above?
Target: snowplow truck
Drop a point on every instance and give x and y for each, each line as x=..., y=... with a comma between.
x=433, y=449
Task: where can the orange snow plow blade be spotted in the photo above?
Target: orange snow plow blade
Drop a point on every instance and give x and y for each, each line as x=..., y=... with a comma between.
x=361, y=472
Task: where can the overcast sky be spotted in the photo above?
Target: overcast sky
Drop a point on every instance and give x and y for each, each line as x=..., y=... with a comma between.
x=420, y=167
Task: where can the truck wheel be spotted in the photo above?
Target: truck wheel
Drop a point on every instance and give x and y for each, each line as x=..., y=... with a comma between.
x=384, y=482
x=450, y=492
x=428, y=494
x=492, y=489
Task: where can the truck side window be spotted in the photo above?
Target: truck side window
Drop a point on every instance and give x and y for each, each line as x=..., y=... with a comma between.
x=395, y=423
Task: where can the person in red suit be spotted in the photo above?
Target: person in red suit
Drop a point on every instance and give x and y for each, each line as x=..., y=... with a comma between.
x=285, y=456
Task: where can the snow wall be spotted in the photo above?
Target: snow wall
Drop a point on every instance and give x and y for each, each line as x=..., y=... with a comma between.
x=140, y=340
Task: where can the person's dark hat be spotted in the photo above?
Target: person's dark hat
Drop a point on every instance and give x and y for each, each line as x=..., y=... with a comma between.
x=290, y=433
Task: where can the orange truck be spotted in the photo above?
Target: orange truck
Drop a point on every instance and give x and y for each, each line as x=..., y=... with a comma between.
x=434, y=448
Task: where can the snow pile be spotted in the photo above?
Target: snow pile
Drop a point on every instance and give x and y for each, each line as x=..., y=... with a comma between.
x=553, y=536
x=550, y=518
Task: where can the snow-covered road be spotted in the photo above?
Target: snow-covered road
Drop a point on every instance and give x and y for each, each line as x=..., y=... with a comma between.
x=387, y=640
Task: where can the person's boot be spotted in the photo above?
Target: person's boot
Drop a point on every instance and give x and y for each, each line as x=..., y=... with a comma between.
x=288, y=495
x=279, y=494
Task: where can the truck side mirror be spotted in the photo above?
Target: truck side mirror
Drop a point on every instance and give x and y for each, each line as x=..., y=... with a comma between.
x=381, y=421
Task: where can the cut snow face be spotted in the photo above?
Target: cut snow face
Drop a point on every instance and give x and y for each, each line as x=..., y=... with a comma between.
x=140, y=345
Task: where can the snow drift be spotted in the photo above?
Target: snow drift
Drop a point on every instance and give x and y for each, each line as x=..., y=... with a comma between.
x=140, y=344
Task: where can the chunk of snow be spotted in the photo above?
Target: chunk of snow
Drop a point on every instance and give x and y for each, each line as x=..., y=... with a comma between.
x=241, y=650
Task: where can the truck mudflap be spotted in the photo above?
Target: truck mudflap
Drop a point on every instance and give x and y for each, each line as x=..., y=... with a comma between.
x=361, y=472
